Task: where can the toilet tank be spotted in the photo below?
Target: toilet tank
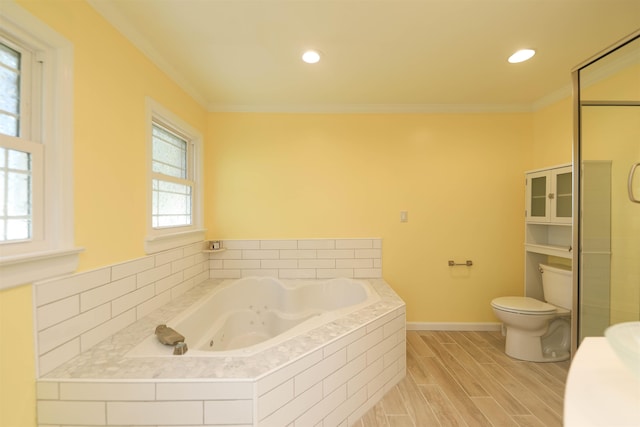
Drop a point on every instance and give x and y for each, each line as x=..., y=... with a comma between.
x=557, y=285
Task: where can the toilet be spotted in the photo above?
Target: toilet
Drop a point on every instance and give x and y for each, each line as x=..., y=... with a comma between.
x=539, y=331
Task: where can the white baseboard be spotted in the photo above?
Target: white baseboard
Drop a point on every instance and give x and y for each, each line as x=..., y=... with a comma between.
x=453, y=326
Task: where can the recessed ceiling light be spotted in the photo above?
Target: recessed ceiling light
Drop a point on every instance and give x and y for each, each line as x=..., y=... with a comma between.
x=521, y=55
x=311, y=56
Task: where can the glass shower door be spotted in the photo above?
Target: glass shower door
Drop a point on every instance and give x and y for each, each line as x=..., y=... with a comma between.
x=609, y=219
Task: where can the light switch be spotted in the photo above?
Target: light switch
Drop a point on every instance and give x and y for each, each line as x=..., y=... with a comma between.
x=404, y=216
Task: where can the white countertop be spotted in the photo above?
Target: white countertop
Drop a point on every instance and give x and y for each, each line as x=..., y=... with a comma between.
x=600, y=390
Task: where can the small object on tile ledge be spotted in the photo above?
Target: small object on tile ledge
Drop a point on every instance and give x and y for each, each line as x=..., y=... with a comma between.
x=168, y=336
x=214, y=246
x=468, y=263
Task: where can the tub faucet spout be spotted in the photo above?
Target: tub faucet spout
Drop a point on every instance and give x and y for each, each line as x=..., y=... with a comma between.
x=180, y=349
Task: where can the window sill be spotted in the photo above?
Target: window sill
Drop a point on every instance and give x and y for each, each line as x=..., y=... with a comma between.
x=25, y=269
x=165, y=242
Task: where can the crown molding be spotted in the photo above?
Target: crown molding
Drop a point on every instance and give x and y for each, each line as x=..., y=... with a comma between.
x=110, y=13
x=371, y=108
x=564, y=92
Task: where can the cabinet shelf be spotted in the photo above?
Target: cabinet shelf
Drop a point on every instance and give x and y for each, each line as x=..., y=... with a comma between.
x=553, y=250
x=550, y=224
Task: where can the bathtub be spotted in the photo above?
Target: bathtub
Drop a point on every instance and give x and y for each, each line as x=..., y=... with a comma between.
x=340, y=355
x=245, y=316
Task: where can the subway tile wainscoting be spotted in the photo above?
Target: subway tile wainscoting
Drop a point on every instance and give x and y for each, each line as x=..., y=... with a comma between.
x=298, y=259
x=74, y=313
x=334, y=384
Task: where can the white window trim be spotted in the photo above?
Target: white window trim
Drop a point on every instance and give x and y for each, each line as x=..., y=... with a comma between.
x=168, y=238
x=56, y=255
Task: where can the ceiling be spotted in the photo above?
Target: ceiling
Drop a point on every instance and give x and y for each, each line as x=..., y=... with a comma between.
x=377, y=55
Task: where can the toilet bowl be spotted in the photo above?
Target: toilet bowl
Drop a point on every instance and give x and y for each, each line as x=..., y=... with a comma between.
x=539, y=331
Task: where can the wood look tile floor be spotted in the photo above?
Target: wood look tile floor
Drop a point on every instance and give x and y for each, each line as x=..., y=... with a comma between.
x=466, y=379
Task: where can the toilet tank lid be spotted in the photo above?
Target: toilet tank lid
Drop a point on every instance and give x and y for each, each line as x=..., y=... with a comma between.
x=523, y=305
x=558, y=268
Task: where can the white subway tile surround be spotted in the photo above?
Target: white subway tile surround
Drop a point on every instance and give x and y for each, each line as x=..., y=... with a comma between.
x=75, y=312
x=298, y=259
x=328, y=377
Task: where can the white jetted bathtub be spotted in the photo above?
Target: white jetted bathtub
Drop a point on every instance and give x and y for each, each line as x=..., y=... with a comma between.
x=245, y=316
x=262, y=352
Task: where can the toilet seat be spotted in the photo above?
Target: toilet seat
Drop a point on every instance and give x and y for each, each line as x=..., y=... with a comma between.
x=523, y=305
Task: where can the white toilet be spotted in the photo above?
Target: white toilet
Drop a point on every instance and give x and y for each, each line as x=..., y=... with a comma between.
x=539, y=331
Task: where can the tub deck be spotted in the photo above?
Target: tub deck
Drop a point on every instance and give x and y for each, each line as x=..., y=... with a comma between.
x=341, y=369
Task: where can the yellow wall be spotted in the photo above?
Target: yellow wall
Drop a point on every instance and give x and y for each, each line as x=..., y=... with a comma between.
x=624, y=85
x=552, y=135
x=111, y=80
x=17, y=359
x=460, y=177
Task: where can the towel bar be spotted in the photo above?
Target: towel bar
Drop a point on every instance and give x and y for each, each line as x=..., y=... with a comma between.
x=469, y=263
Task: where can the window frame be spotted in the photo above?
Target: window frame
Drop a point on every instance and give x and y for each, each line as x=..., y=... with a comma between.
x=164, y=238
x=51, y=251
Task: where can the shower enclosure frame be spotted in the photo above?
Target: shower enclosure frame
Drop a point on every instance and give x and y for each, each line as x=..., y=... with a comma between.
x=577, y=162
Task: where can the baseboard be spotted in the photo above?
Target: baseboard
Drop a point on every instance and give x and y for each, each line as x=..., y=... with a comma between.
x=453, y=326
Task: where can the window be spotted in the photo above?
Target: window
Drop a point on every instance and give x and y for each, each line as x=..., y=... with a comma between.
x=20, y=154
x=175, y=175
x=36, y=232
x=11, y=65
x=16, y=190
x=172, y=183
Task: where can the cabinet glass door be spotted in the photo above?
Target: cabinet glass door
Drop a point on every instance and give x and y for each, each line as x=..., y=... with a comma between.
x=538, y=201
x=563, y=202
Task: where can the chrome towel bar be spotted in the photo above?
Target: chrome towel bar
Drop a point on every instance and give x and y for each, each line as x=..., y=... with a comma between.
x=468, y=263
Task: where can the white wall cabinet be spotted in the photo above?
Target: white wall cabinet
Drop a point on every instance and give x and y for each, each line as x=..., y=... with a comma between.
x=548, y=213
x=549, y=195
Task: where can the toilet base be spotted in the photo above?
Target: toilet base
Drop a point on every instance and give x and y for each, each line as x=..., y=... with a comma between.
x=530, y=350
x=552, y=347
